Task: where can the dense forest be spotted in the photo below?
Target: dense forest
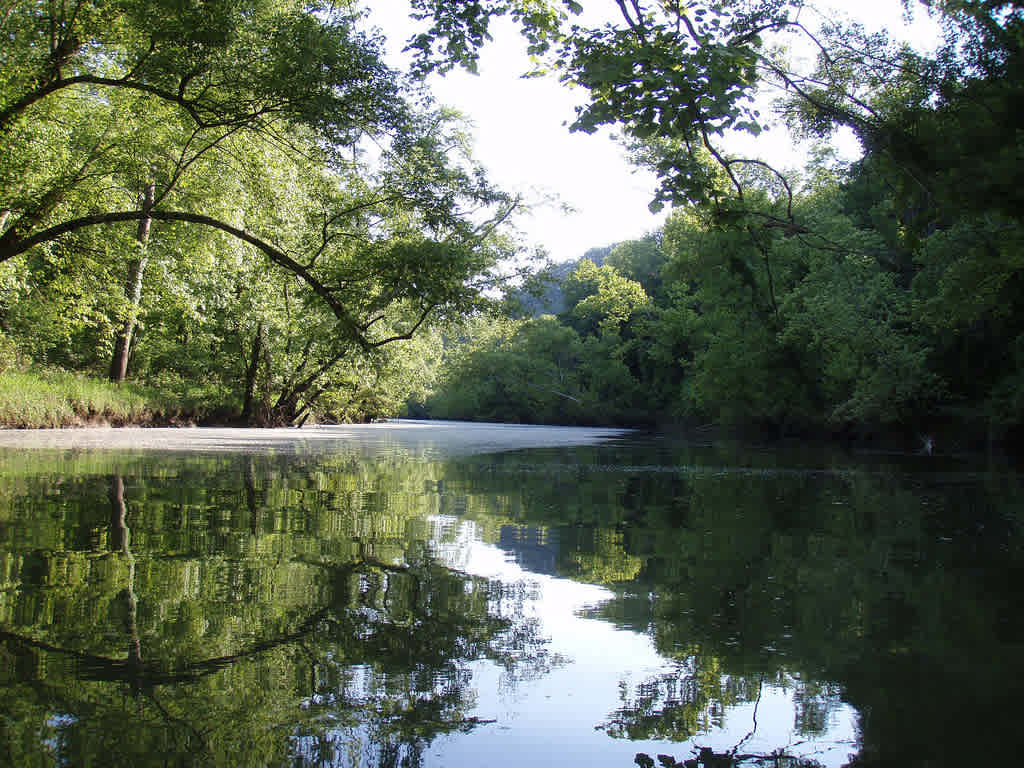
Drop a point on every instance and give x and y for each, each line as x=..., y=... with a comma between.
x=239, y=207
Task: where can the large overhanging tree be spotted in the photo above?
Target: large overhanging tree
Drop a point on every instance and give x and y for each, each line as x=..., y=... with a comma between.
x=225, y=66
x=673, y=72
x=677, y=78
x=147, y=116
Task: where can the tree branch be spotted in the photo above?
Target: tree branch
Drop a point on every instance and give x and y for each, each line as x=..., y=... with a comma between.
x=59, y=83
x=409, y=333
x=275, y=254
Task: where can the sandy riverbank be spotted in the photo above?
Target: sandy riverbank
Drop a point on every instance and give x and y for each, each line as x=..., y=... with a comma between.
x=445, y=437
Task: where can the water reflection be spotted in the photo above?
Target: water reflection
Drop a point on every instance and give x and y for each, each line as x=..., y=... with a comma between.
x=575, y=605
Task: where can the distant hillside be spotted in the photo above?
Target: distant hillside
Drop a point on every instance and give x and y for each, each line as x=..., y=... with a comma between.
x=542, y=293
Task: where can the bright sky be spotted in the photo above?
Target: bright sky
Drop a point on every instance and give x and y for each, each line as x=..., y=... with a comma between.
x=522, y=138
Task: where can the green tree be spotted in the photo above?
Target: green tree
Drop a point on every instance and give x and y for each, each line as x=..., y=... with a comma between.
x=642, y=261
x=232, y=124
x=600, y=300
x=940, y=181
x=683, y=73
x=525, y=371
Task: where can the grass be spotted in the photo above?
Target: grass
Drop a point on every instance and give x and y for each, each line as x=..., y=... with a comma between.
x=51, y=398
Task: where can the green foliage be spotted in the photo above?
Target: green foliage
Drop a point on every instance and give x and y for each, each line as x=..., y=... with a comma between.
x=567, y=370
x=199, y=180
x=222, y=63
x=852, y=319
x=883, y=294
x=11, y=357
x=505, y=371
x=660, y=71
x=641, y=261
x=600, y=299
x=196, y=182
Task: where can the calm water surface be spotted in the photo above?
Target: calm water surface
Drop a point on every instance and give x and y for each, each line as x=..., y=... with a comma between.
x=421, y=597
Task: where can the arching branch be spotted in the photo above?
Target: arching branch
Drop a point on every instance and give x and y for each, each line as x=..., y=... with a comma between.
x=778, y=174
x=175, y=97
x=274, y=253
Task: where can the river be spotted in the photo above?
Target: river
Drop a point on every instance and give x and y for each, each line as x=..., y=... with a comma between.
x=415, y=594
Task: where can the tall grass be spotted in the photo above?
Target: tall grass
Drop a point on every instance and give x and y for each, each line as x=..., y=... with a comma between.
x=34, y=399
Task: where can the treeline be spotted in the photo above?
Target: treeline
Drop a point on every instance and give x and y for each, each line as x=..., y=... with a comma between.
x=882, y=296
x=846, y=329
x=239, y=204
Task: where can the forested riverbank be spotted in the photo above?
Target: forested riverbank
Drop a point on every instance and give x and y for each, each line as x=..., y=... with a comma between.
x=238, y=212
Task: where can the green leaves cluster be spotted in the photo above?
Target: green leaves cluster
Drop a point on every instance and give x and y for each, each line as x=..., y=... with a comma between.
x=682, y=73
x=240, y=193
x=747, y=324
x=572, y=369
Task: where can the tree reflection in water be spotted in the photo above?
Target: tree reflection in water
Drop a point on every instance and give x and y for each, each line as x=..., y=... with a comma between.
x=155, y=622
x=228, y=610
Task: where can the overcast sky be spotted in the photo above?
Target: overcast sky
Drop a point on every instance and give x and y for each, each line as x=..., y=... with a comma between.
x=522, y=139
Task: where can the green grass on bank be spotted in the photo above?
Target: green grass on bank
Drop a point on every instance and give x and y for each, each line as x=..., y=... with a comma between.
x=35, y=399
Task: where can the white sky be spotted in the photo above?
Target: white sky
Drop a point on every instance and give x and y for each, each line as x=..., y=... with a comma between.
x=522, y=138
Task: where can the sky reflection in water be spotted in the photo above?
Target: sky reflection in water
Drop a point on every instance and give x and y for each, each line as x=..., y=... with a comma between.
x=407, y=596
x=562, y=713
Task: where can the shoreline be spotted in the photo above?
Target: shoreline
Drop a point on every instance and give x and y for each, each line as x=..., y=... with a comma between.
x=397, y=434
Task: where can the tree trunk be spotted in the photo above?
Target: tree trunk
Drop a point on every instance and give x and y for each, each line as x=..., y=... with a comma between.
x=286, y=411
x=123, y=342
x=4, y=214
x=251, y=375
x=121, y=539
